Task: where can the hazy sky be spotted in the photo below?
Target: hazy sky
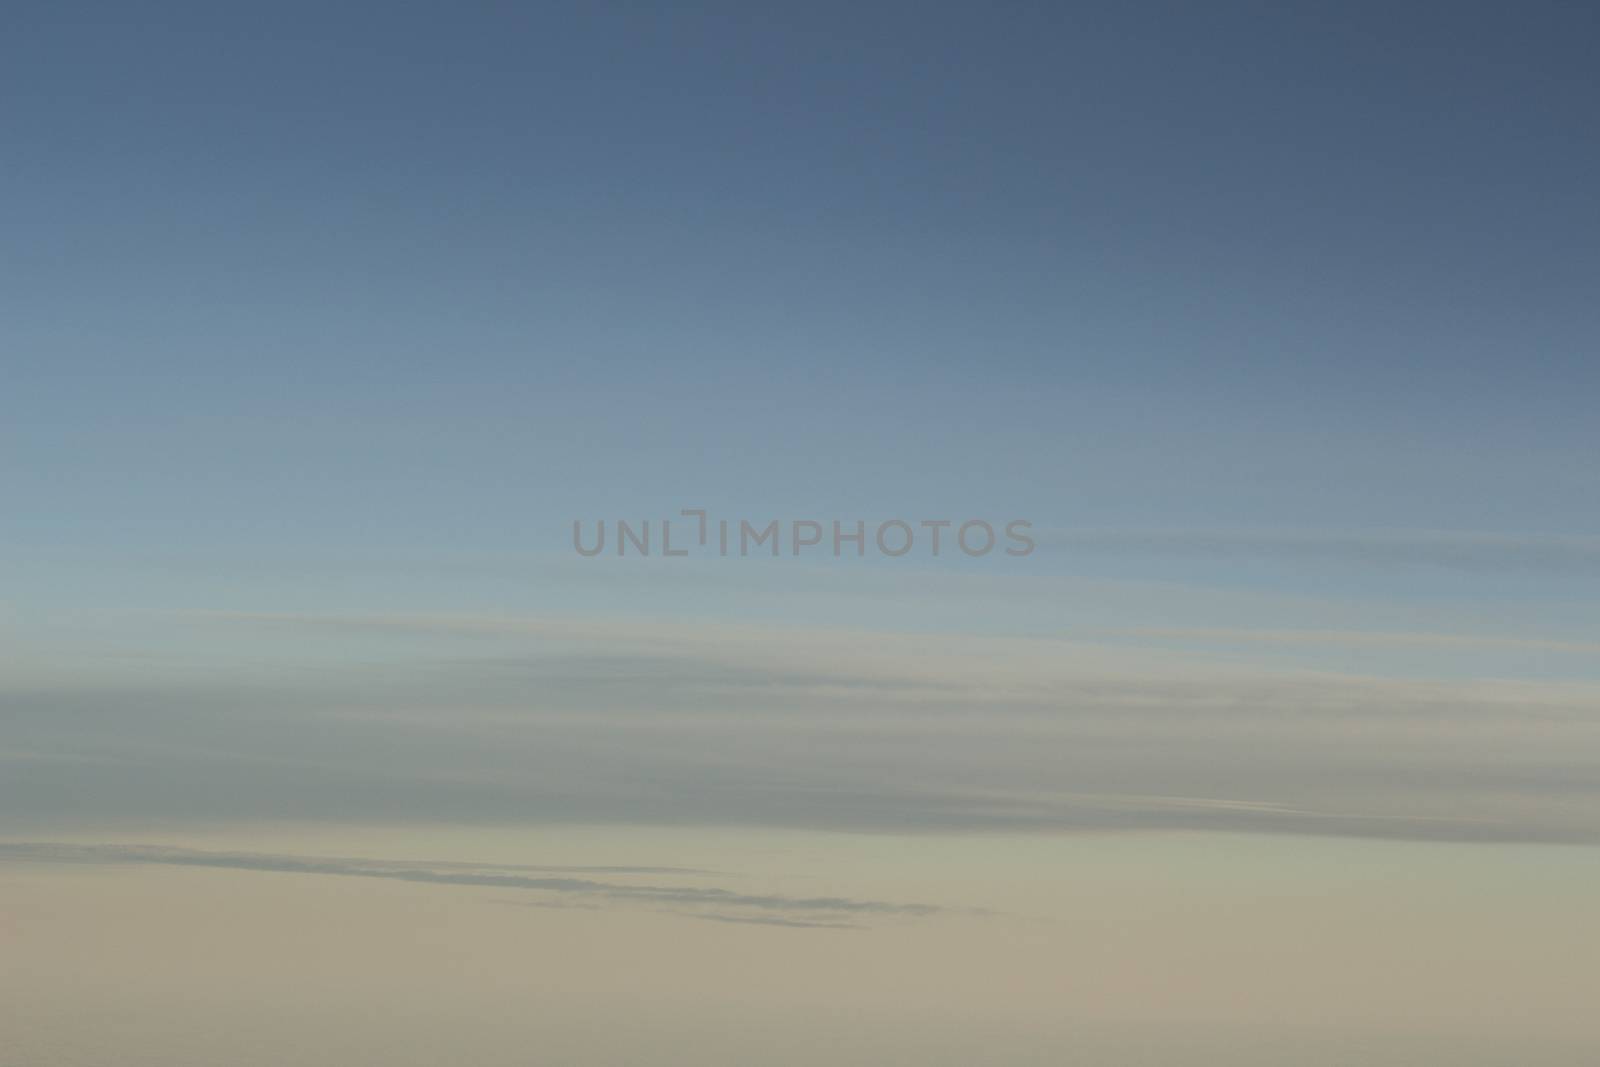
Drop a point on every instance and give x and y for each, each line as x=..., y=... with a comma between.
x=321, y=324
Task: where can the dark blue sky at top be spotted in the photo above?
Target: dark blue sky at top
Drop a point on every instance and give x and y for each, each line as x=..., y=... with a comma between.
x=1281, y=264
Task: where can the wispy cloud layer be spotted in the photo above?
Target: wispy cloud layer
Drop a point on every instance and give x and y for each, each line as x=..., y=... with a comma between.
x=544, y=720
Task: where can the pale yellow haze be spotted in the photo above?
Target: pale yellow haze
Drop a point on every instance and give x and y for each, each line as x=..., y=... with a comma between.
x=1138, y=949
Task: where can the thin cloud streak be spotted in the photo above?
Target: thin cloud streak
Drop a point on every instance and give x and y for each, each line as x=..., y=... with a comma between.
x=1358, y=638
x=801, y=924
x=812, y=911
x=1472, y=552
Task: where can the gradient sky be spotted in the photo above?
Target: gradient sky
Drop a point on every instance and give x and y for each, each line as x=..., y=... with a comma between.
x=323, y=325
x=320, y=324
x=402, y=277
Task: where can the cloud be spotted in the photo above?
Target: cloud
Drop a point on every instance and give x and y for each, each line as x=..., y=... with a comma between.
x=672, y=723
x=805, y=924
x=731, y=905
x=1357, y=638
x=1471, y=552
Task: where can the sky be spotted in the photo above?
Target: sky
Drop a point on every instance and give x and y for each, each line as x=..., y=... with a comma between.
x=321, y=326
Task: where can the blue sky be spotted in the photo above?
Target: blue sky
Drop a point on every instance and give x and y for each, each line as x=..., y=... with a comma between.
x=411, y=276
x=1276, y=321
